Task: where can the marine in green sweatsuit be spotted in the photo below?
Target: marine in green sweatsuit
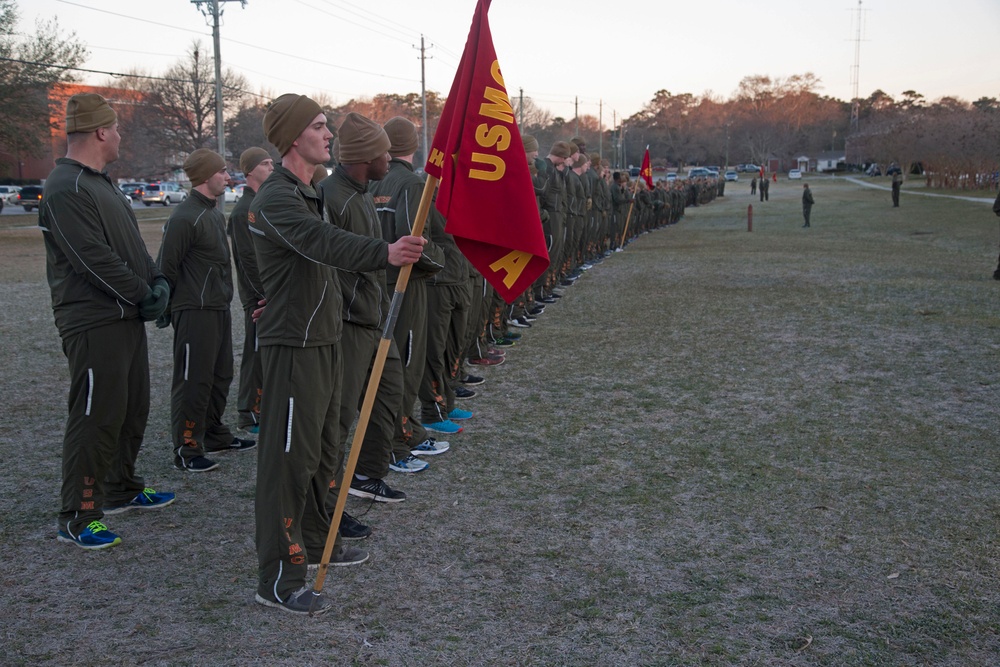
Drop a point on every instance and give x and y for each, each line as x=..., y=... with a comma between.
x=194, y=257
x=397, y=198
x=101, y=278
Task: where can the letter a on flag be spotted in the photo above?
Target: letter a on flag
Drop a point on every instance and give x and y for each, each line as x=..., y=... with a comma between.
x=647, y=171
x=486, y=194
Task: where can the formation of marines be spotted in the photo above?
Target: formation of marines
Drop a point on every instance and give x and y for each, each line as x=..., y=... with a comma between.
x=317, y=254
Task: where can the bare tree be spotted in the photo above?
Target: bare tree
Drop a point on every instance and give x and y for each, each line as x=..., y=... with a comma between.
x=30, y=66
x=185, y=94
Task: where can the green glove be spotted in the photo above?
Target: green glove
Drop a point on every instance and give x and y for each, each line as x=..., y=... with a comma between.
x=163, y=321
x=155, y=305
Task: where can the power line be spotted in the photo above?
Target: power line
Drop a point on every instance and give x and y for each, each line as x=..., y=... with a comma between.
x=258, y=47
x=363, y=27
x=134, y=18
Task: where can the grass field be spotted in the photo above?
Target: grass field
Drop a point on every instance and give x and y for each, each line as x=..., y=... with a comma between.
x=720, y=448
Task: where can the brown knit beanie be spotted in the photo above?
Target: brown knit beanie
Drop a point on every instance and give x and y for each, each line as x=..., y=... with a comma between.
x=361, y=139
x=530, y=143
x=580, y=143
x=595, y=160
x=251, y=157
x=402, y=136
x=561, y=149
x=202, y=164
x=319, y=173
x=86, y=112
x=287, y=117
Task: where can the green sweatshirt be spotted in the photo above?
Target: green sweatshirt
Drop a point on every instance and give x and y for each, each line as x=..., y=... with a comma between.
x=97, y=264
x=298, y=254
x=194, y=256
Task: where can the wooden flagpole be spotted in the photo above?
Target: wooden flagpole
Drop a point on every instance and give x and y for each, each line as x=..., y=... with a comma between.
x=373, y=382
x=631, y=205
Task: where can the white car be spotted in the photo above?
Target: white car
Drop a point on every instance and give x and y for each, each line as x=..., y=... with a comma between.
x=732, y=176
x=795, y=174
x=165, y=193
x=231, y=195
x=9, y=194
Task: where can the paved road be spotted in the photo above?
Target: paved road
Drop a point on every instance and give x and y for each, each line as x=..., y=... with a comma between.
x=867, y=184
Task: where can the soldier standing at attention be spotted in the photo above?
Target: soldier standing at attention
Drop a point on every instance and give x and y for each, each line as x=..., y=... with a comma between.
x=397, y=198
x=256, y=165
x=104, y=286
x=897, y=183
x=363, y=158
x=301, y=448
x=807, y=203
x=194, y=257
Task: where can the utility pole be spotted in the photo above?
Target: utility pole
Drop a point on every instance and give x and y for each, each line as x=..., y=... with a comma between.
x=212, y=10
x=423, y=96
x=855, y=71
x=520, y=107
x=576, y=115
x=600, y=130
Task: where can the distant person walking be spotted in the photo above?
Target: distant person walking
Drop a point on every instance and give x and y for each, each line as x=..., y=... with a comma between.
x=807, y=203
x=765, y=187
x=897, y=183
x=753, y=185
x=996, y=209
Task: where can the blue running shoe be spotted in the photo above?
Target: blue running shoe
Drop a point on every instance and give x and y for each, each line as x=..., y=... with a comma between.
x=409, y=464
x=430, y=447
x=95, y=536
x=459, y=414
x=447, y=426
x=148, y=499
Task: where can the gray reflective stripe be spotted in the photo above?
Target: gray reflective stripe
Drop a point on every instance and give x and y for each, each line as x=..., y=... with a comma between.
x=288, y=427
x=187, y=359
x=90, y=390
x=280, y=568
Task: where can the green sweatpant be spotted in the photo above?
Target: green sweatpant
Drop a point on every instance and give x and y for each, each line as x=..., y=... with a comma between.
x=203, y=372
x=359, y=346
x=251, y=375
x=299, y=450
x=108, y=408
x=410, y=337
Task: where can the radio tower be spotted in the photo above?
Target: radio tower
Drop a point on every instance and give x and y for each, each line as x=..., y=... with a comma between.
x=855, y=69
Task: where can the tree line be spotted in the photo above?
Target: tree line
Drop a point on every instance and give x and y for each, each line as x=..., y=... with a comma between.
x=166, y=115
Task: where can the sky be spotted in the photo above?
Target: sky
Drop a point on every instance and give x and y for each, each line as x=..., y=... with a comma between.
x=604, y=59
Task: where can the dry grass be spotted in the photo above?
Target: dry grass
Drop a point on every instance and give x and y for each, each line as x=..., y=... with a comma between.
x=720, y=448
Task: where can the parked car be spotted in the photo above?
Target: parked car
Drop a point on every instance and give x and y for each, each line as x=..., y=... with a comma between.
x=748, y=168
x=29, y=197
x=231, y=195
x=699, y=172
x=239, y=190
x=134, y=191
x=8, y=194
x=671, y=177
x=732, y=176
x=164, y=193
x=794, y=174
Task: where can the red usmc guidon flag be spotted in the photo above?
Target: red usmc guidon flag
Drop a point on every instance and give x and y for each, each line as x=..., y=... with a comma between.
x=486, y=194
x=646, y=171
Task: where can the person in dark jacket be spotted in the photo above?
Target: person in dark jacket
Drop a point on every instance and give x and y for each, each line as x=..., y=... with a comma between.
x=996, y=209
x=194, y=257
x=104, y=286
x=807, y=203
x=256, y=165
x=363, y=158
x=301, y=446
